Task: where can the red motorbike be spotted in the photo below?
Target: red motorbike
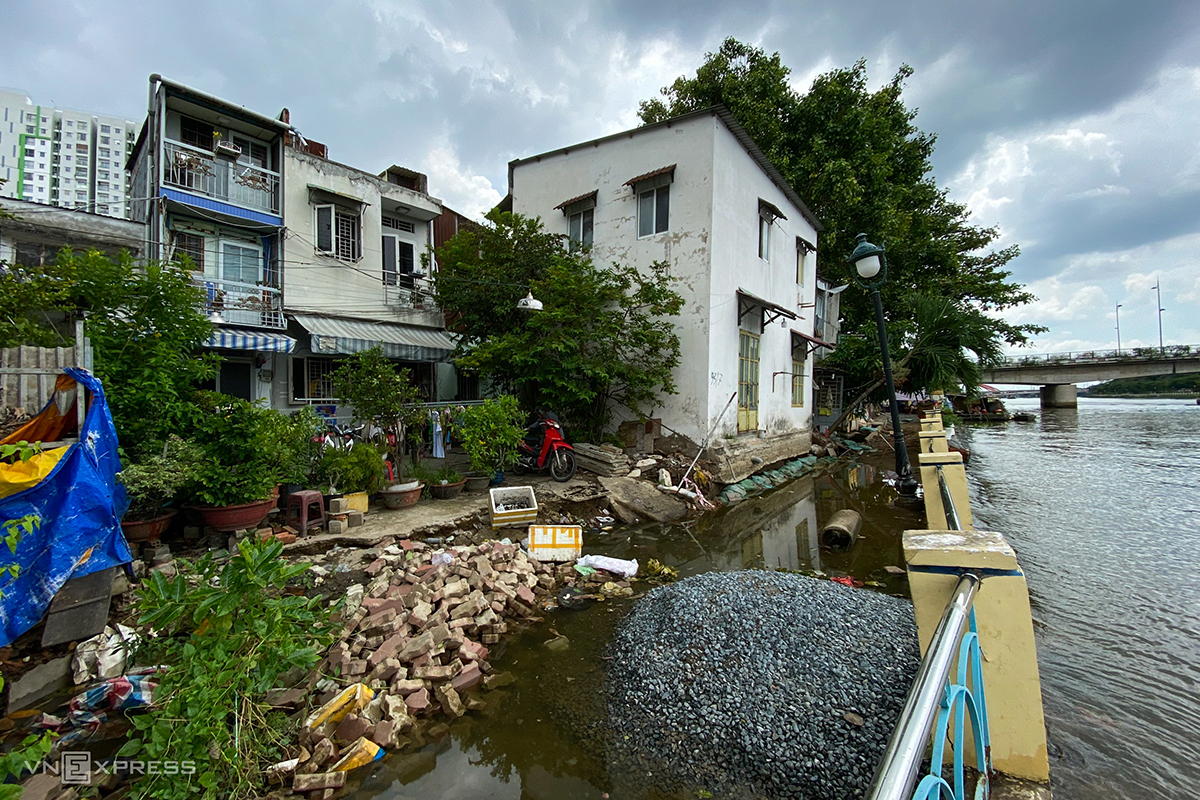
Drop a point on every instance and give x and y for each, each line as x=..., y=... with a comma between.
x=546, y=447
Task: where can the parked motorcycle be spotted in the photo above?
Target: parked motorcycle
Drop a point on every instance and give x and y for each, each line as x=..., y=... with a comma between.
x=546, y=448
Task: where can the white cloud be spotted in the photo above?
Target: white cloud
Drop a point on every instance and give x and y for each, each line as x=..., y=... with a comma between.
x=1059, y=302
x=468, y=194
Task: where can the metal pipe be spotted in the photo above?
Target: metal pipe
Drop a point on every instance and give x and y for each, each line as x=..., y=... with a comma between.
x=897, y=772
x=952, y=521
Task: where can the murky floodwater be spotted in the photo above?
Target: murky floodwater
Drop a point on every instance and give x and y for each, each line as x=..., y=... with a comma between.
x=1103, y=506
x=545, y=737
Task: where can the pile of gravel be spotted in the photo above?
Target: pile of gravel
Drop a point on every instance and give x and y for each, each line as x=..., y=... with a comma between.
x=757, y=684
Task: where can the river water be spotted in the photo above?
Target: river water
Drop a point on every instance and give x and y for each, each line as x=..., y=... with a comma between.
x=1102, y=504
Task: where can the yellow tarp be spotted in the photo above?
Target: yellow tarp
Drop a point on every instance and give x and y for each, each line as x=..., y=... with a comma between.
x=26, y=474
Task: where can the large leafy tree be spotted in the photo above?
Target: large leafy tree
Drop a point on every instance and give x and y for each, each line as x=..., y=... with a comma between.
x=604, y=338
x=861, y=164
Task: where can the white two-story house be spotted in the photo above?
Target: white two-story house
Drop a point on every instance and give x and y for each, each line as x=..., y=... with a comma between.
x=697, y=193
x=353, y=275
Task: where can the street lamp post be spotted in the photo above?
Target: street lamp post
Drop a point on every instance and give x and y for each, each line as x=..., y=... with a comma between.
x=1118, y=329
x=870, y=270
x=1158, y=295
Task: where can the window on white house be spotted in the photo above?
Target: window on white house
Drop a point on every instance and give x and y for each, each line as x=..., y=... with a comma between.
x=654, y=208
x=764, y=237
x=196, y=133
x=240, y=262
x=580, y=228
x=254, y=154
x=797, y=383
x=338, y=233
x=190, y=245
x=803, y=248
x=312, y=378
x=398, y=262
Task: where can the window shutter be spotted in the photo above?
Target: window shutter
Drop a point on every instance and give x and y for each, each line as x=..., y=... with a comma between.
x=389, y=260
x=325, y=229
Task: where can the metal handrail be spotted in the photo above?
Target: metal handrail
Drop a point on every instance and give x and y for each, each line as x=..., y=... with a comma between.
x=1099, y=356
x=929, y=700
x=952, y=521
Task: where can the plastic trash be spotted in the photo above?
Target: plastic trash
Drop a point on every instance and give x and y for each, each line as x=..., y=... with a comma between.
x=617, y=566
x=359, y=754
x=103, y=656
x=351, y=700
x=444, y=557
x=584, y=570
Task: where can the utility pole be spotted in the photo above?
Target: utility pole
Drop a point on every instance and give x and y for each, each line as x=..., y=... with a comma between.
x=1118, y=329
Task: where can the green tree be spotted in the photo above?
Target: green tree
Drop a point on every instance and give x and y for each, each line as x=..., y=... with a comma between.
x=861, y=164
x=383, y=394
x=604, y=338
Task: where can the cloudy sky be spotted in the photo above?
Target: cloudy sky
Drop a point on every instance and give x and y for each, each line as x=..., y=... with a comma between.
x=1074, y=126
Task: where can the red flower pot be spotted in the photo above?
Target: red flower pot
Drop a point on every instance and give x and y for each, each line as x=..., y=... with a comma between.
x=141, y=530
x=236, y=518
x=404, y=499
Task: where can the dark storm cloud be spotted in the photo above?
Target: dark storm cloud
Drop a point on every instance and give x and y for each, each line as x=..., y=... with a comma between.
x=1053, y=119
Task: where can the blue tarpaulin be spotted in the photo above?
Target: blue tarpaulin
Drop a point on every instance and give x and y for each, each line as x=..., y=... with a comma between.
x=78, y=507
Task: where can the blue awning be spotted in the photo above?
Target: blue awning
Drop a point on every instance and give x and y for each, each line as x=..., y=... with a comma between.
x=255, y=341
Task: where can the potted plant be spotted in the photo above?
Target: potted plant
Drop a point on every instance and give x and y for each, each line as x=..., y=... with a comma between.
x=299, y=435
x=236, y=482
x=151, y=483
x=356, y=473
x=447, y=485
x=491, y=433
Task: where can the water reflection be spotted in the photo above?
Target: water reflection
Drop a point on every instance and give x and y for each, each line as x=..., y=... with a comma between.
x=546, y=737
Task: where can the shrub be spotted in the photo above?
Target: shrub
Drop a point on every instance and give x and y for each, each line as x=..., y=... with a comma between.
x=226, y=635
x=382, y=394
x=491, y=433
x=152, y=482
x=359, y=469
x=243, y=454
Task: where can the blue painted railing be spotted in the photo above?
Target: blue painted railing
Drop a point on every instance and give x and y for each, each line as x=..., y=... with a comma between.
x=961, y=699
x=934, y=703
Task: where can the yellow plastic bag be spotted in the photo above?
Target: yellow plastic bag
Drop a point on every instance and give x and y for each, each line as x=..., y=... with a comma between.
x=359, y=754
x=351, y=700
x=26, y=474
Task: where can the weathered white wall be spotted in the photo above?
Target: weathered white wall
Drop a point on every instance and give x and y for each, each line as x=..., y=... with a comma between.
x=539, y=186
x=738, y=184
x=320, y=283
x=712, y=249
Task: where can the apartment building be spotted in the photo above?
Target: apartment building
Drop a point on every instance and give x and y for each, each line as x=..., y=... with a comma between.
x=65, y=158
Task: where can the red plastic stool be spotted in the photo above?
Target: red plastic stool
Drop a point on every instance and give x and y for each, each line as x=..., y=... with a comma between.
x=299, y=506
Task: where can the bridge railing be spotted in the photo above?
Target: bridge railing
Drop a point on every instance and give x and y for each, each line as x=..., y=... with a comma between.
x=1101, y=356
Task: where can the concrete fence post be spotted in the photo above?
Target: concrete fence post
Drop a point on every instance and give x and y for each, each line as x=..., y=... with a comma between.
x=934, y=442
x=956, y=481
x=935, y=559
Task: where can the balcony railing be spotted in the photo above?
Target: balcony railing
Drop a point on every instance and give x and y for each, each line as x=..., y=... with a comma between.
x=194, y=170
x=411, y=291
x=238, y=303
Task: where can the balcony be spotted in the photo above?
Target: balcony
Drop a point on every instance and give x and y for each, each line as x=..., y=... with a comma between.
x=194, y=170
x=411, y=299
x=239, y=303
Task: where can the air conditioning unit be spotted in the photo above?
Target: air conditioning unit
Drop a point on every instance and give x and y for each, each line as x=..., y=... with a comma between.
x=226, y=149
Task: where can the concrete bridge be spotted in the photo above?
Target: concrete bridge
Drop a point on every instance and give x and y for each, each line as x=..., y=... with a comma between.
x=1057, y=373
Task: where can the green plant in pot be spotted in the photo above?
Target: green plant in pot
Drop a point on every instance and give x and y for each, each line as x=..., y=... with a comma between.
x=382, y=394
x=359, y=469
x=300, y=446
x=491, y=434
x=152, y=482
x=243, y=460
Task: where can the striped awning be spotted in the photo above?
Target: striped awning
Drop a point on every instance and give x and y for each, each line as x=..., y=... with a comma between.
x=256, y=341
x=336, y=335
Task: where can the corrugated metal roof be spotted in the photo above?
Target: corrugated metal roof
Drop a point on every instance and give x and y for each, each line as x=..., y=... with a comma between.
x=648, y=175
x=588, y=196
x=337, y=335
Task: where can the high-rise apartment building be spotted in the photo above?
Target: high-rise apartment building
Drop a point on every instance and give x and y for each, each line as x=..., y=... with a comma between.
x=65, y=158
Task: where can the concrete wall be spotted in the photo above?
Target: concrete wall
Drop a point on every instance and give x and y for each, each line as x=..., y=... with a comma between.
x=711, y=248
x=317, y=282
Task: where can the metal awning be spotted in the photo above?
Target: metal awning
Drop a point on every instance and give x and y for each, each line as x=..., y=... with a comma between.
x=813, y=342
x=339, y=336
x=256, y=341
x=748, y=302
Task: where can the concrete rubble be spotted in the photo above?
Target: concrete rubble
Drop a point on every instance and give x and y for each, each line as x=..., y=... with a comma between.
x=417, y=634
